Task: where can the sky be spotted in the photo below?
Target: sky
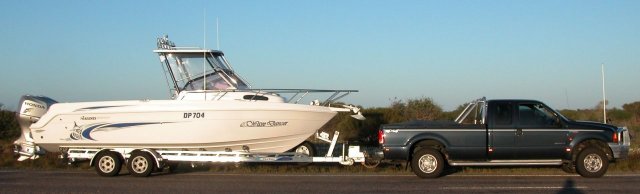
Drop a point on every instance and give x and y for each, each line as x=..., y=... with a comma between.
x=450, y=51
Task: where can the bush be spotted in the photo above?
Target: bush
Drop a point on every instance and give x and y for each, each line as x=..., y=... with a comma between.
x=9, y=128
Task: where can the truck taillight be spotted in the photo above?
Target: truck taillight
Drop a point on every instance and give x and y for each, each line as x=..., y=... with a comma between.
x=615, y=137
x=381, y=136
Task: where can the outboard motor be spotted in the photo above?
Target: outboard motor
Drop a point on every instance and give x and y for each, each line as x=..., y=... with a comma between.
x=30, y=110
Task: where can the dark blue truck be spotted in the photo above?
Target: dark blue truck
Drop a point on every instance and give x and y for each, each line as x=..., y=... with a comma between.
x=505, y=133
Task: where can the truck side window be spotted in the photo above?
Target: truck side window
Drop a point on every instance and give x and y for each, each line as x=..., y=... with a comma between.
x=536, y=116
x=503, y=114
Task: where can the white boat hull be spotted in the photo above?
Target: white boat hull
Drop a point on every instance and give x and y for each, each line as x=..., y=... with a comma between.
x=170, y=124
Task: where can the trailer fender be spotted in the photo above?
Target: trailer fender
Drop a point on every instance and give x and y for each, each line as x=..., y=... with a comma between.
x=160, y=162
x=92, y=161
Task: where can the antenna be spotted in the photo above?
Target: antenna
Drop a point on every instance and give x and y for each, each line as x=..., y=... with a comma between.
x=604, y=98
x=204, y=54
x=217, y=33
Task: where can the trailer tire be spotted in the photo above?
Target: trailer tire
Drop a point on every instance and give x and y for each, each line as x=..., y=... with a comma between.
x=305, y=148
x=140, y=164
x=592, y=163
x=108, y=164
x=427, y=163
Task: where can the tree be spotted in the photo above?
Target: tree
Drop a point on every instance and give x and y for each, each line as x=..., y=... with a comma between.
x=600, y=105
x=423, y=109
x=414, y=109
x=633, y=109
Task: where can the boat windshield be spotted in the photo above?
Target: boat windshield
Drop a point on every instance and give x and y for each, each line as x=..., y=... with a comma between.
x=193, y=71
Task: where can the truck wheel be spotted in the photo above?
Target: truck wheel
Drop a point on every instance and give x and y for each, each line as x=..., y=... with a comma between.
x=305, y=148
x=427, y=163
x=140, y=164
x=592, y=163
x=108, y=163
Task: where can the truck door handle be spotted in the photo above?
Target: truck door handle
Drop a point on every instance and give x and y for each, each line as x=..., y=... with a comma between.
x=519, y=132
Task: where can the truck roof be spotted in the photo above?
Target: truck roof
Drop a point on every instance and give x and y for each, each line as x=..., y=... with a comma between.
x=513, y=100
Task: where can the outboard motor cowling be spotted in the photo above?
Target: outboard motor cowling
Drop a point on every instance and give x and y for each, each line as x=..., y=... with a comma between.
x=30, y=110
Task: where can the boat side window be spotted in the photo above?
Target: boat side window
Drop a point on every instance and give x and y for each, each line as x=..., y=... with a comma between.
x=533, y=115
x=213, y=81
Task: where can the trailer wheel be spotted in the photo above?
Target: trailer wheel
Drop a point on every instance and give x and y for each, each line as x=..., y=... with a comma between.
x=592, y=163
x=427, y=163
x=108, y=163
x=140, y=164
x=305, y=148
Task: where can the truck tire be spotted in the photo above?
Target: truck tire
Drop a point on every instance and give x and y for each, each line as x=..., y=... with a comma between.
x=140, y=164
x=592, y=163
x=108, y=163
x=427, y=163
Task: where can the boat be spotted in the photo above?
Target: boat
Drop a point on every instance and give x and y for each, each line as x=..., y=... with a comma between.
x=212, y=108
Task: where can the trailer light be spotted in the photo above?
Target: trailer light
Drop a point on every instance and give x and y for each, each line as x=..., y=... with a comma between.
x=381, y=136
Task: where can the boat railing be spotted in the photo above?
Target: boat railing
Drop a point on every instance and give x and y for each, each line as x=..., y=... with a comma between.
x=296, y=94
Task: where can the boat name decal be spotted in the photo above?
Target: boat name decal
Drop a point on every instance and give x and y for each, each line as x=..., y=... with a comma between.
x=87, y=118
x=263, y=124
x=195, y=115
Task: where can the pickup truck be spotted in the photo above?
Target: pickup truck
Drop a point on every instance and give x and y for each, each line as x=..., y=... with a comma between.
x=505, y=133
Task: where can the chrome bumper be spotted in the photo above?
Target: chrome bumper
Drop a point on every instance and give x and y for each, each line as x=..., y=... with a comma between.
x=620, y=150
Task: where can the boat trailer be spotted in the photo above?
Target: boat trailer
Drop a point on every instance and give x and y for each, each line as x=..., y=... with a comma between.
x=143, y=161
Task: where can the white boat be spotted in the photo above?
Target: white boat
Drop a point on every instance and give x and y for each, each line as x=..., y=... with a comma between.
x=212, y=109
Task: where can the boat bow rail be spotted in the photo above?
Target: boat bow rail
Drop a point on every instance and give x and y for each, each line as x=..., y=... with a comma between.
x=296, y=94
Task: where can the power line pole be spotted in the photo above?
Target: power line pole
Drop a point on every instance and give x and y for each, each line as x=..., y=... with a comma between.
x=604, y=98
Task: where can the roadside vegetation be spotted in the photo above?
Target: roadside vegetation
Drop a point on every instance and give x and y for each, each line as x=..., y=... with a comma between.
x=362, y=132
